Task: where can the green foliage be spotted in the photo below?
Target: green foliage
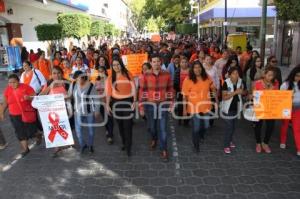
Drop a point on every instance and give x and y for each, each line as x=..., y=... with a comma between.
x=288, y=9
x=97, y=28
x=171, y=11
x=111, y=30
x=75, y=25
x=155, y=25
x=48, y=32
x=186, y=28
x=138, y=18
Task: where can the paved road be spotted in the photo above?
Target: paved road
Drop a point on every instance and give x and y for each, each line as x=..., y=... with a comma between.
x=110, y=174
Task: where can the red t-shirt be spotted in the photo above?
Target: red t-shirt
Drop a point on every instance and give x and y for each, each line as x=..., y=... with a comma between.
x=15, y=99
x=183, y=75
x=259, y=85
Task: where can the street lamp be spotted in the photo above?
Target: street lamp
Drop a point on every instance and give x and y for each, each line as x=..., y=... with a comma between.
x=192, y=2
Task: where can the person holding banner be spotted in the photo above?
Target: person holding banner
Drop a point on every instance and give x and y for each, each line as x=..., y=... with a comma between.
x=267, y=83
x=292, y=83
x=57, y=85
x=17, y=98
x=120, y=101
x=232, y=104
x=86, y=108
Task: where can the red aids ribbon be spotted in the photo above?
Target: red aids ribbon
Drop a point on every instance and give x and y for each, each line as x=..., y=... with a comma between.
x=54, y=120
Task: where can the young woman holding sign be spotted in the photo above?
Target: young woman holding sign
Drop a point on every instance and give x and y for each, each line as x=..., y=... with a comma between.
x=292, y=83
x=267, y=83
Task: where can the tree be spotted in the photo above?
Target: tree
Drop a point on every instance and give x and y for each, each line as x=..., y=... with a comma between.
x=97, y=28
x=138, y=18
x=186, y=28
x=111, y=30
x=288, y=9
x=172, y=12
x=152, y=25
x=75, y=25
x=49, y=32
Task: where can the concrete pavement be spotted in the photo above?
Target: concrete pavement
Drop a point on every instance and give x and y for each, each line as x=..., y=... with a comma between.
x=108, y=173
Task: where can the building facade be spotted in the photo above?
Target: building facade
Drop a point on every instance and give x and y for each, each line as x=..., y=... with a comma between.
x=19, y=18
x=242, y=16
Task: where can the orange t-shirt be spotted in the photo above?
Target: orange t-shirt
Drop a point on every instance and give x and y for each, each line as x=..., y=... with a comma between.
x=245, y=56
x=67, y=73
x=27, y=77
x=45, y=67
x=122, y=88
x=198, y=95
x=57, y=62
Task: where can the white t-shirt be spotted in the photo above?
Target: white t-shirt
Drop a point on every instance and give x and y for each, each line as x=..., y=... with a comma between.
x=37, y=81
x=213, y=73
x=84, y=69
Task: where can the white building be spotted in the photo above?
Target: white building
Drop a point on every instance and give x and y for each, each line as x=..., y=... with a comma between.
x=19, y=17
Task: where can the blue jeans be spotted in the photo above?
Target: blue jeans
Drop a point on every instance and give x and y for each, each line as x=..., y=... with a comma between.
x=87, y=119
x=200, y=125
x=230, y=127
x=157, y=121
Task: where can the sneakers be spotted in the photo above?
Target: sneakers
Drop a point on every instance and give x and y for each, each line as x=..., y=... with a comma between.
x=232, y=145
x=227, y=150
x=3, y=146
x=266, y=148
x=283, y=146
x=258, y=148
x=164, y=156
x=83, y=149
x=110, y=141
x=91, y=149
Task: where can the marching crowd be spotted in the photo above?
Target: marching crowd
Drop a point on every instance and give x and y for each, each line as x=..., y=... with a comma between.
x=188, y=79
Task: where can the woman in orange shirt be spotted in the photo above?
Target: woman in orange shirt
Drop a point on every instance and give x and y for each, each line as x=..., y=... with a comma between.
x=43, y=65
x=121, y=94
x=67, y=69
x=57, y=61
x=196, y=95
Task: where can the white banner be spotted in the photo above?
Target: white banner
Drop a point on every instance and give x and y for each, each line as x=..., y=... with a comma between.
x=55, y=121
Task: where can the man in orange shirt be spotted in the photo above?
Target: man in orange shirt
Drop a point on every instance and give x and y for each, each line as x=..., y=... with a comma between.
x=43, y=65
x=245, y=57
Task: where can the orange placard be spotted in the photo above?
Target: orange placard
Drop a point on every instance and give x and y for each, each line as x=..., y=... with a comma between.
x=134, y=63
x=273, y=104
x=155, y=38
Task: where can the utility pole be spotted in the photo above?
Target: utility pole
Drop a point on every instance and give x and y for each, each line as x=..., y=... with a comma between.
x=225, y=24
x=263, y=27
x=198, y=19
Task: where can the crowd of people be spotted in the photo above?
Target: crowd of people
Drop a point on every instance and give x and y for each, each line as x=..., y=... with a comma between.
x=191, y=80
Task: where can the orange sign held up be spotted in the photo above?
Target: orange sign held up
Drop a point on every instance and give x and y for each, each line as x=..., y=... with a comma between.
x=155, y=38
x=273, y=104
x=134, y=63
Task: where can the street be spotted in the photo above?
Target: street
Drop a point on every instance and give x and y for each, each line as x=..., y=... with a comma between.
x=108, y=173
